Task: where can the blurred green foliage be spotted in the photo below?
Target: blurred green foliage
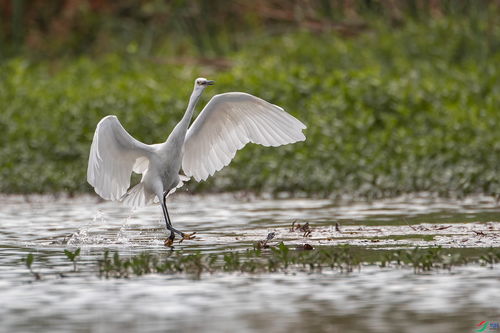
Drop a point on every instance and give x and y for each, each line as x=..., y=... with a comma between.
x=47, y=29
x=389, y=111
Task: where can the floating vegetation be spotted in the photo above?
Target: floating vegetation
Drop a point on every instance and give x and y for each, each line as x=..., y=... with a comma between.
x=491, y=257
x=281, y=258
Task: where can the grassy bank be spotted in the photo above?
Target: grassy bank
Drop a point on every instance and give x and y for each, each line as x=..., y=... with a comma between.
x=389, y=111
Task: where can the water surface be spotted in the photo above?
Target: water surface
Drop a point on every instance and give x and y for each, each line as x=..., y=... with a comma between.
x=369, y=300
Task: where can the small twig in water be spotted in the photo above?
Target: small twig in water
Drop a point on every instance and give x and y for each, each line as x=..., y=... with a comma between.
x=263, y=243
x=443, y=227
x=415, y=229
x=306, y=229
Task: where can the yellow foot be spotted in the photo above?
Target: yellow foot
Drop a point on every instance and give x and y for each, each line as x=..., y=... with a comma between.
x=169, y=242
x=188, y=237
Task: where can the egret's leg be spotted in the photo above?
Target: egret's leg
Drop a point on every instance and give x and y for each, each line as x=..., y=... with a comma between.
x=170, y=240
x=168, y=221
x=172, y=230
x=167, y=218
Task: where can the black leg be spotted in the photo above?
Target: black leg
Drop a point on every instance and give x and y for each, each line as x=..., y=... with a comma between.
x=170, y=240
x=168, y=222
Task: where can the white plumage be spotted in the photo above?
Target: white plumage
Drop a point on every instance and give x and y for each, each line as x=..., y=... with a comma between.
x=227, y=123
x=113, y=155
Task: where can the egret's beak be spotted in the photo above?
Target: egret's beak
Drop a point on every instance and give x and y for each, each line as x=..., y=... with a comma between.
x=210, y=83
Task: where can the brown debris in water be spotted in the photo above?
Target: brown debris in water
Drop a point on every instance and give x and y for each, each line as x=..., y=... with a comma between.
x=304, y=247
x=418, y=228
x=262, y=244
x=443, y=227
x=306, y=229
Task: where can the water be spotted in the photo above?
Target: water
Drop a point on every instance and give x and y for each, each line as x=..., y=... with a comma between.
x=369, y=300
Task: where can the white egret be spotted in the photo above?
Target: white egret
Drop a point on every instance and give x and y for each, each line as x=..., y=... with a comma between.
x=227, y=123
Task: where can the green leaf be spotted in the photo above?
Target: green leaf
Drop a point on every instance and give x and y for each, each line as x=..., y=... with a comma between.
x=29, y=260
x=69, y=254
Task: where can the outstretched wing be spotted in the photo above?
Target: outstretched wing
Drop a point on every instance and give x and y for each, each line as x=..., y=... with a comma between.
x=227, y=123
x=113, y=155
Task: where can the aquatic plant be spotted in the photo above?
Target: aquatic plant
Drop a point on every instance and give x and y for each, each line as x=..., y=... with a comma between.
x=491, y=257
x=72, y=256
x=282, y=258
x=145, y=263
x=422, y=260
x=29, y=261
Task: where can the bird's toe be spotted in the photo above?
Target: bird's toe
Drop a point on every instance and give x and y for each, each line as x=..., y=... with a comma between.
x=187, y=236
x=169, y=242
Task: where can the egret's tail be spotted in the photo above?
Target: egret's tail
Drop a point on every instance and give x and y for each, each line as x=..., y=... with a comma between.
x=137, y=196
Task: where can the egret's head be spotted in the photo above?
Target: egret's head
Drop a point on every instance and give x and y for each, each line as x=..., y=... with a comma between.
x=201, y=83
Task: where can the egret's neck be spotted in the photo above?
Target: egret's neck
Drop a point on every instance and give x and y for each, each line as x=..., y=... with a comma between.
x=180, y=130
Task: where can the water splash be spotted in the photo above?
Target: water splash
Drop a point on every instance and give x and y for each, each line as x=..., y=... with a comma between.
x=82, y=236
x=122, y=234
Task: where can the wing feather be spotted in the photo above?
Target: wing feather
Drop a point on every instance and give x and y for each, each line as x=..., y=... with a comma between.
x=113, y=155
x=227, y=123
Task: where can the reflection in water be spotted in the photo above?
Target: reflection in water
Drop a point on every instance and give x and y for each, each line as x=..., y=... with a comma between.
x=372, y=300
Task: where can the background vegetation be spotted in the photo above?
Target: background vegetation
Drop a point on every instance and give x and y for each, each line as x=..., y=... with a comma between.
x=398, y=96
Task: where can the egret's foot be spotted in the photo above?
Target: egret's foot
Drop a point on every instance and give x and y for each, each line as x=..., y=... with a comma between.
x=169, y=242
x=187, y=236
